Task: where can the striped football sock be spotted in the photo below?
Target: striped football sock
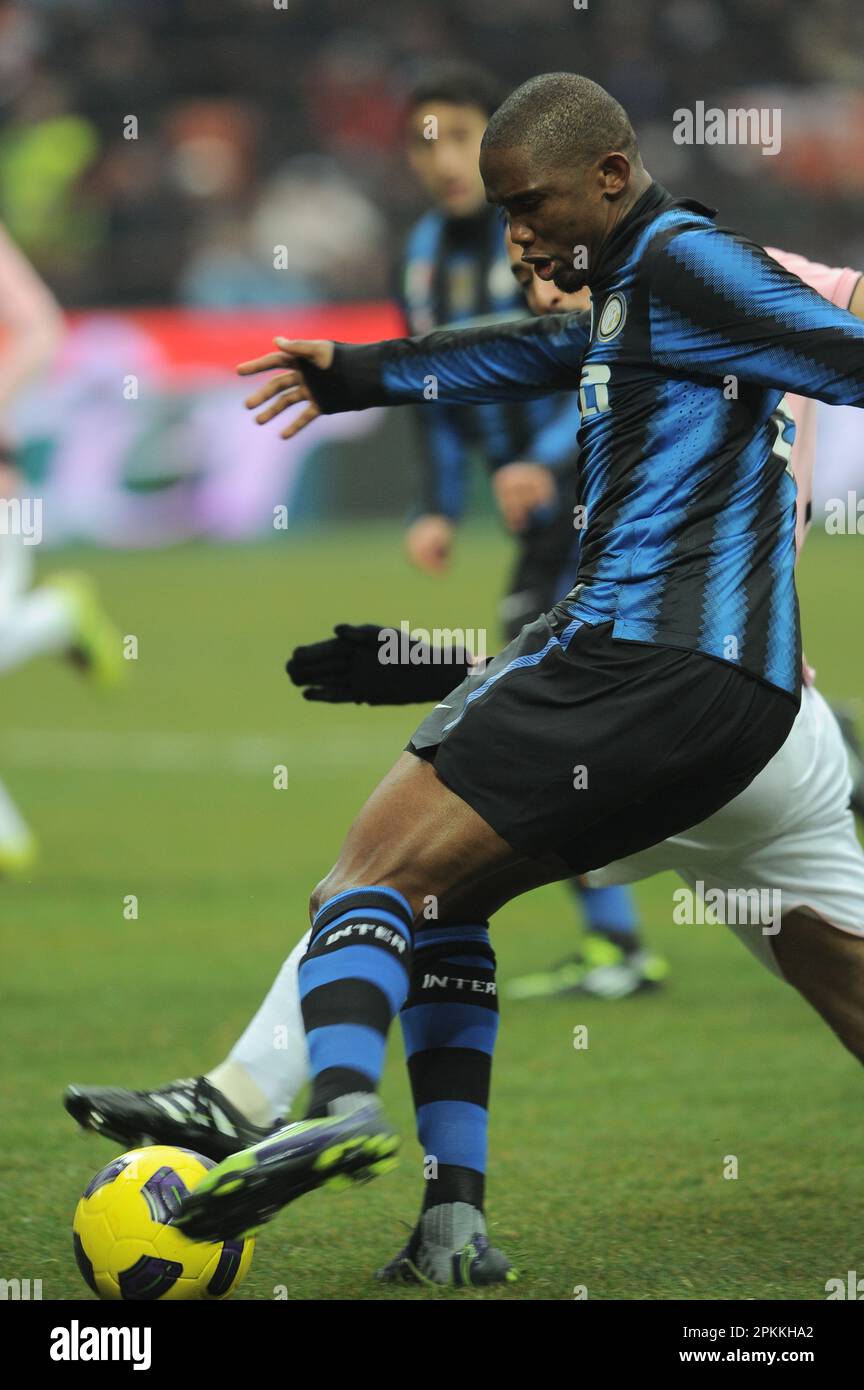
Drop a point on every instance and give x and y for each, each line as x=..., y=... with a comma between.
x=450, y=1023
x=353, y=979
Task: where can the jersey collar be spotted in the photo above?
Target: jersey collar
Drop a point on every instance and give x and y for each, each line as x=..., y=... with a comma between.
x=618, y=246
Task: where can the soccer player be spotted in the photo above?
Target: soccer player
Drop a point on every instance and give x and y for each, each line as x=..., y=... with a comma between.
x=263, y=1175
x=62, y=616
x=809, y=854
x=456, y=271
x=666, y=680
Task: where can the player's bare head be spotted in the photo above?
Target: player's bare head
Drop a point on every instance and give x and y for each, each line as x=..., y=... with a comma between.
x=561, y=118
x=446, y=113
x=560, y=156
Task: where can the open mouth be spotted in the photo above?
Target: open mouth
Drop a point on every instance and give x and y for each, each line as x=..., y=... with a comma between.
x=544, y=267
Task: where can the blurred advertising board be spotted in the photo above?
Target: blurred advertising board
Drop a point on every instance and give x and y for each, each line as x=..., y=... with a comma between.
x=138, y=436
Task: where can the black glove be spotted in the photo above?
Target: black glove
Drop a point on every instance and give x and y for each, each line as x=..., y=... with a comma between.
x=347, y=667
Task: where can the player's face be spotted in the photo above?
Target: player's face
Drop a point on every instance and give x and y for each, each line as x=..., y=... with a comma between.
x=543, y=296
x=444, y=153
x=558, y=217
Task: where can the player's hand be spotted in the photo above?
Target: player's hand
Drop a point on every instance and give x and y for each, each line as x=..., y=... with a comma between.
x=290, y=387
x=349, y=667
x=520, y=490
x=429, y=543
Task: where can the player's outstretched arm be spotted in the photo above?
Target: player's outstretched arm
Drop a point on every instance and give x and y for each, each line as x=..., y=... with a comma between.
x=506, y=362
x=355, y=665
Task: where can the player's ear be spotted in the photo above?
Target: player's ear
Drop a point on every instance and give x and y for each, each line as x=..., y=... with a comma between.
x=614, y=171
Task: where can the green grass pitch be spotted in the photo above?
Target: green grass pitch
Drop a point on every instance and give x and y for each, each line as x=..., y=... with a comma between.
x=606, y=1164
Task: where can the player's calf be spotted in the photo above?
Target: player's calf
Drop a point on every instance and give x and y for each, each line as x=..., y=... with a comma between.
x=413, y=837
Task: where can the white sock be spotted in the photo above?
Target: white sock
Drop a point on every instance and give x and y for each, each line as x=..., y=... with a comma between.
x=269, y=1064
x=13, y=829
x=244, y=1093
x=40, y=622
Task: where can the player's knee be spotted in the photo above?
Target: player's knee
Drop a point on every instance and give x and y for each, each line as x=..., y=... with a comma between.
x=319, y=896
x=337, y=881
x=334, y=884
x=341, y=880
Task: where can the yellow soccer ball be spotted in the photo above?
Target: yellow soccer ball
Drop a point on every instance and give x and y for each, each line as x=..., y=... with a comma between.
x=126, y=1245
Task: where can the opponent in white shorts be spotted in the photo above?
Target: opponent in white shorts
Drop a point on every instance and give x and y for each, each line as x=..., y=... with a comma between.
x=787, y=842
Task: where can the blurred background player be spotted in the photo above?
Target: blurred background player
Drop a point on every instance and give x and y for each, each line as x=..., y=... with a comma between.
x=61, y=616
x=456, y=270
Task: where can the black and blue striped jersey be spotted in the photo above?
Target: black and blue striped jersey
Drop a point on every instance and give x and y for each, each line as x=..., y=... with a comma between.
x=456, y=271
x=687, y=491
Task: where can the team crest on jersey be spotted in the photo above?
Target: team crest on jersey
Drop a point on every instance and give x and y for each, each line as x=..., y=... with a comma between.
x=612, y=318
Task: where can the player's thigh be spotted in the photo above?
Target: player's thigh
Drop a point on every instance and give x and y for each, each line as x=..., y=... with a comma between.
x=416, y=835
x=480, y=898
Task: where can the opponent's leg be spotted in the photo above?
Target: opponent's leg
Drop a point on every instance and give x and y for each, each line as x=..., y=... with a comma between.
x=236, y=1104
x=269, y=1065
x=826, y=966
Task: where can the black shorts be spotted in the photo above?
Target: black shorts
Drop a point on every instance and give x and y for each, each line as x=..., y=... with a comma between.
x=592, y=748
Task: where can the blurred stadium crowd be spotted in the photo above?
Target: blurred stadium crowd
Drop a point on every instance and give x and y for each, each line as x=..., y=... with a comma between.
x=277, y=122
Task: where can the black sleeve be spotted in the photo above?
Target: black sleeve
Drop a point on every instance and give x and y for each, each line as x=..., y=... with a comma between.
x=521, y=360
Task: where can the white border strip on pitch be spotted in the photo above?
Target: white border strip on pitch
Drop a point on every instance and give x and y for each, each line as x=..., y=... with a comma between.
x=255, y=754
